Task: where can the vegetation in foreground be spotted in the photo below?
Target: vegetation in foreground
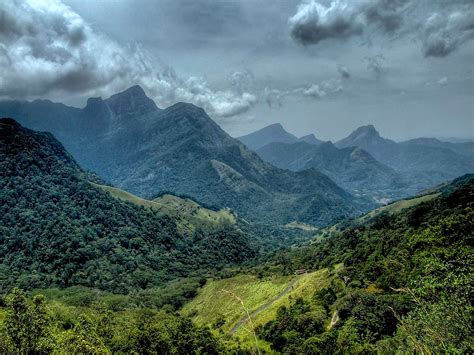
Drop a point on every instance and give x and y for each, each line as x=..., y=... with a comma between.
x=406, y=284
x=33, y=326
x=394, y=283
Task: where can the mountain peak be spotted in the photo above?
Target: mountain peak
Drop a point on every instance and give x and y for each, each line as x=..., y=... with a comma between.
x=135, y=90
x=311, y=139
x=365, y=137
x=131, y=101
x=274, y=133
x=367, y=130
x=276, y=126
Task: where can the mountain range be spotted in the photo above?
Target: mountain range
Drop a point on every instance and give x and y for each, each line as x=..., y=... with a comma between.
x=367, y=164
x=352, y=168
x=274, y=133
x=136, y=146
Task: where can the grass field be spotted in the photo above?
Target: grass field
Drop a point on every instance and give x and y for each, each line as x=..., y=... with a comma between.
x=215, y=307
x=188, y=213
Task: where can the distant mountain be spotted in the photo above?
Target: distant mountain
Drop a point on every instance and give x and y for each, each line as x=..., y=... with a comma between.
x=424, y=161
x=311, y=139
x=463, y=148
x=142, y=149
x=58, y=228
x=269, y=134
x=367, y=138
x=275, y=133
x=455, y=140
x=352, y=168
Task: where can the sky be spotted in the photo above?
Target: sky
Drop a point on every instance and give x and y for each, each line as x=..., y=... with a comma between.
x=315, y=66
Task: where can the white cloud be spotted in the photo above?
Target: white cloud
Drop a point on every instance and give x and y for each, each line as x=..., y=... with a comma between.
x=315, y=90
x=46, y=48
x=443, y=81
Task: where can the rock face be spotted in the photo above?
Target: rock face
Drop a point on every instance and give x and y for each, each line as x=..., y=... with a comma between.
x=138, y=147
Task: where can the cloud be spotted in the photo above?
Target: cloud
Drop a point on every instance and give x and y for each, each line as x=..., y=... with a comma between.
x=48, y=49
x=243, y=80
x=315, y=22
x=443, y=81
x=376, y=65
x=343, y=71
x=275, y=97
x=443, y=34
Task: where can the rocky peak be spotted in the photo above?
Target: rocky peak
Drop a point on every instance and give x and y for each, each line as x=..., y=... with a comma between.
x=365, y=131
x=132, y=101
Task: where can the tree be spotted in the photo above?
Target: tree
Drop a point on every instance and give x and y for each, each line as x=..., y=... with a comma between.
x=82, y=339
x=27, y=325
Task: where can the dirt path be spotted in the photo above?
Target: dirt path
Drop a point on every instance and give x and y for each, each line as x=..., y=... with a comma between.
x=334, y=320
x=264, y=306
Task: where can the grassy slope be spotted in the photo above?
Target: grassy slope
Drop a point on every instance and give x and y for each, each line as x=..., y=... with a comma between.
x=398, y=206
x=392, y=208
x=213, y=304
x=189, y=213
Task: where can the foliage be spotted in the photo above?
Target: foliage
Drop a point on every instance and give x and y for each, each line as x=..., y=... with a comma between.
x=406, y=282
x=26, y=324
x=56, y=229
x=32, y=326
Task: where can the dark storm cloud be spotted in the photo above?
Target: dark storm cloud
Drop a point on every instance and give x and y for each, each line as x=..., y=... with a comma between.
x=444, y=33
x=315, y=22
x=386, y=13
x=48, y=48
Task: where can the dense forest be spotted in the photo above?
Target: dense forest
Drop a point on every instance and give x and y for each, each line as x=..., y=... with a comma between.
x=405, y=285
x=56, y=229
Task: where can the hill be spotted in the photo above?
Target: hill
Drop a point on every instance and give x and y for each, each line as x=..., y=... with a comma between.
x=404, y=284
x=144, y=150
x=352, y=168
x=395, y=280
x=188, y=214
x=58, y=228
x=424, y=161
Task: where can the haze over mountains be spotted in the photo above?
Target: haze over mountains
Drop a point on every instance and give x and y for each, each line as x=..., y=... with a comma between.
x=366, y=163
x=128, y=141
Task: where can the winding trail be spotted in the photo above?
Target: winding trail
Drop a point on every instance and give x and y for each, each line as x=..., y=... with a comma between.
x=264, y=306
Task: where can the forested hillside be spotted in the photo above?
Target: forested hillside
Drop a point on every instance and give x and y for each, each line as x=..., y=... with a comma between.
x=406, y=283
x=57, y=229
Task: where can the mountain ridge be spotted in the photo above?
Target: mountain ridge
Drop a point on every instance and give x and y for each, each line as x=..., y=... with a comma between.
x=173, y=149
